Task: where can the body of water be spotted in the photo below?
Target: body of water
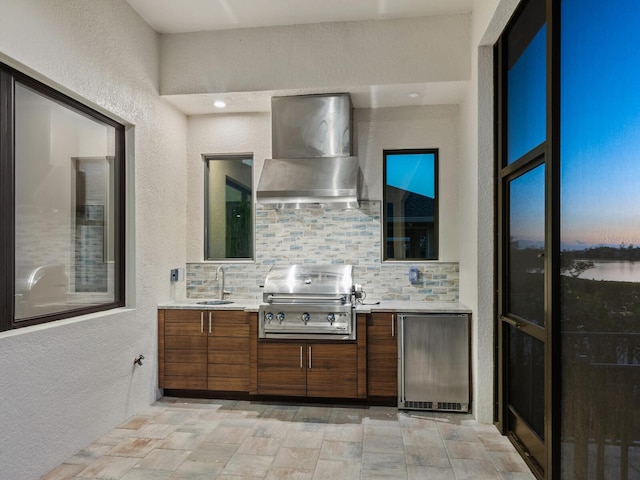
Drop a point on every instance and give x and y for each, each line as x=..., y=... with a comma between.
x=612, y=271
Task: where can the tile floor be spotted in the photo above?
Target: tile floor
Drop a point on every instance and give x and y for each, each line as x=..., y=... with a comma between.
x=185, y=439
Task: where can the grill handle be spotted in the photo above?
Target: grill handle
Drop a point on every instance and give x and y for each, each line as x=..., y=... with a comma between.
x=271, y=298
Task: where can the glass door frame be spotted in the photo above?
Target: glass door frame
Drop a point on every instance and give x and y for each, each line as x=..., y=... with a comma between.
x=547, y=153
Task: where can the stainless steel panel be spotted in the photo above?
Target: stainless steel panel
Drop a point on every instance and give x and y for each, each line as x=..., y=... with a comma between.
x=311, y=281
x=434, y=362
x=311, y=126
x=317, y=324
x=295, y=181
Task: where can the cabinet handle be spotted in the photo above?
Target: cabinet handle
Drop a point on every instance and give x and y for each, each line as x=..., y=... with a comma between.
x=209, y=323
x=309, y=358
x=201, y=322
x=300, y=356
x=393, y=328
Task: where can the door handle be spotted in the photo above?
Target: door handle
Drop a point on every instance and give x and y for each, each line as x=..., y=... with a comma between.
x=393, y=329
x=511, y=322
x=201, y=322
x=309, y=358
x=300, y=356
x=209, y=323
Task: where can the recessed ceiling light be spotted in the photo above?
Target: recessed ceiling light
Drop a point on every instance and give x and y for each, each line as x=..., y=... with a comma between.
x=219, y=104
x=413, y=94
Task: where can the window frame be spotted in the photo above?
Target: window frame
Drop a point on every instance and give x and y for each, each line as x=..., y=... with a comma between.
x=410, y=151
x=8, y=79
x=209, y=157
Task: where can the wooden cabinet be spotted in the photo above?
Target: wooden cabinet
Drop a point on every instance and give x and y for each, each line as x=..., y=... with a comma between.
x=228, y=352
x=328, y=370
x=203, y=350
x=382, y=355
x=313, y=368
x=182, y=349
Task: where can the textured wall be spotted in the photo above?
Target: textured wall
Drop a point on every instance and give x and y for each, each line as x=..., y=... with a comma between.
x=410, y=50
x=65, y=384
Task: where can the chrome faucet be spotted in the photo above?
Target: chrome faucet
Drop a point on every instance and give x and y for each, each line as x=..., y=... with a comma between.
x=223, y=292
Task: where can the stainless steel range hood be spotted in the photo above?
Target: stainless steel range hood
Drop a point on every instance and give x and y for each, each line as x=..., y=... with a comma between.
x=312, y=155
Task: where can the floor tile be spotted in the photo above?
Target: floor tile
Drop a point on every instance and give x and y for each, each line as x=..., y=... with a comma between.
x=109, y=467
x=179, y=440
x=344, y=433
x=334, y=450
x=384, y=464
x=206, y=439
x=427, y=456
x=466, y=450
x=382, y=444
x=336, y=470
x=288, y=473
x=429, y=473
x=248, y=465
x=146, y=474
x=225, y=434
x=214, y=453
x=303, y=458
x=161, y=459
x=304, y=439
x=134, y=447
x=422, y=437
x=63, y=472
x=88, y=455
x=260, y=445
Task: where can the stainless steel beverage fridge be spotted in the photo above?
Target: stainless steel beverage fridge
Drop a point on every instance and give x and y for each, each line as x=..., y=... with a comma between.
x=433, y=371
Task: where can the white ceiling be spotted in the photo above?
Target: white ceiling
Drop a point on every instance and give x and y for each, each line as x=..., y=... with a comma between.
x=180, y=16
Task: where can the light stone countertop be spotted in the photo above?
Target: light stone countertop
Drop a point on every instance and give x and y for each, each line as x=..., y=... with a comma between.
x=253, y=305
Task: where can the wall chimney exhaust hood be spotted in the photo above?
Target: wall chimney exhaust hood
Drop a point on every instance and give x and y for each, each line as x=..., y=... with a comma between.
x=312, y=156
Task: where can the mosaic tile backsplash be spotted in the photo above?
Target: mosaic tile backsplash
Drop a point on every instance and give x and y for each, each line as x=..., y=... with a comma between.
x=326, y=236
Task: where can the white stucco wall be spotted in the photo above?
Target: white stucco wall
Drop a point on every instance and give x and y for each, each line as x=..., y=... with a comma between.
x=335, y=55
x=65, y=384
x=477, y=206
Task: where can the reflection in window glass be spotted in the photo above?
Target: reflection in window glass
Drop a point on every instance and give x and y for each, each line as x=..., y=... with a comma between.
x=410, y=205
x=229, y=207
x=526, y=246
x=526, y=82
x=65, y=233
x=600, y=281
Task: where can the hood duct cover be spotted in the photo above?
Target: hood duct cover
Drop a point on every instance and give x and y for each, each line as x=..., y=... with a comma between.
x=312, y=156
x=293, y=182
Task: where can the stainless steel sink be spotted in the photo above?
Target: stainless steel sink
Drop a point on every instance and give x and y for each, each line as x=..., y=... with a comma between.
x=215, y=302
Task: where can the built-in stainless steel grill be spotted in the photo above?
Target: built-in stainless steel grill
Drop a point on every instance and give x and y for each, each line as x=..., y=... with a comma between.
x=307, y=302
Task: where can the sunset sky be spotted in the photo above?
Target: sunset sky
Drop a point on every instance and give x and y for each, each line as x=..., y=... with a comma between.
x=600, y=126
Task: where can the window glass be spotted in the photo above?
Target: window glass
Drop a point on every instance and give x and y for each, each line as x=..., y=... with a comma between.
x=410, y=205
x=526, y=246
x=66, y=253
x=228, y=207
x=600, y=270
x=526, y=82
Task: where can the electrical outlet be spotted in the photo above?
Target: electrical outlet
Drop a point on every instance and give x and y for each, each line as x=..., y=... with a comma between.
x=174, y=274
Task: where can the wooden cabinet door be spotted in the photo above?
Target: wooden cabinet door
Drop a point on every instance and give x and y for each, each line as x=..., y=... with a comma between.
x=382, y=355
x=282, y=369
x=184, y=349
x=228, y=351
x=332, y=370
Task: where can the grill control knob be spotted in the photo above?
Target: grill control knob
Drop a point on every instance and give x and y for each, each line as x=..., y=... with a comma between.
x=268, y=317
x=331, y=317
x=280, y=317
x=305, y=317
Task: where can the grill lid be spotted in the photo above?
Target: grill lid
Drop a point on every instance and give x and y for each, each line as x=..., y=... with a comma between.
x=308, y=281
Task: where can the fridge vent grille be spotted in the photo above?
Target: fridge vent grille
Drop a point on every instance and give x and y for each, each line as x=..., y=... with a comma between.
x=443, y=406
x=419, y=405
x=450, y=406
